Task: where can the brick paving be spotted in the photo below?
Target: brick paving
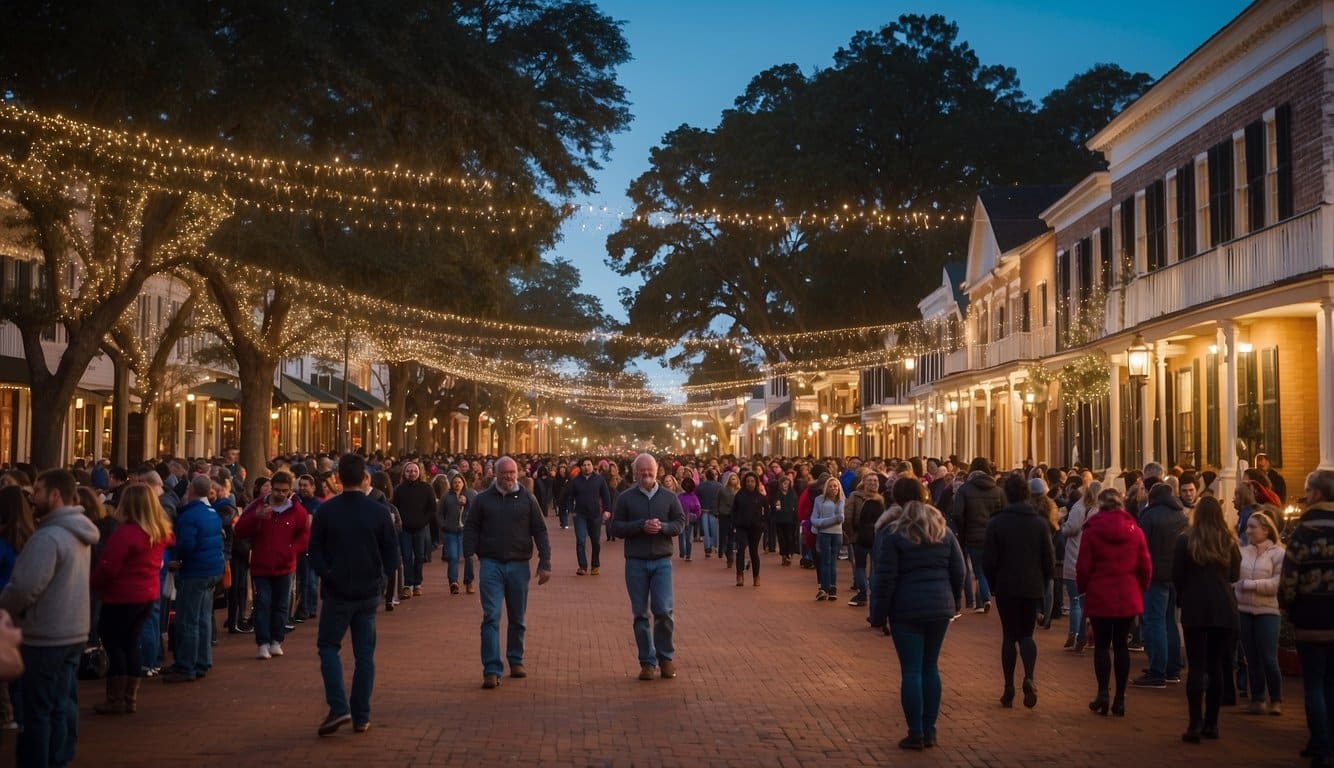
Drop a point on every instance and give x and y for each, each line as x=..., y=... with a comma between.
x=766, y=677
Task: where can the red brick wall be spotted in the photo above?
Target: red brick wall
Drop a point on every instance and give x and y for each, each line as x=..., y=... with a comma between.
x=1304, y=87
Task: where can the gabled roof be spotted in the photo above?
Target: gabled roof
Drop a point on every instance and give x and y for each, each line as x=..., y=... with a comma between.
x=956, y=272
x=1014, y=213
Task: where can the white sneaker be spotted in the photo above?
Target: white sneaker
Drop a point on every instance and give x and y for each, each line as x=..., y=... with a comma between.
x=264, y=653
x=276, y=649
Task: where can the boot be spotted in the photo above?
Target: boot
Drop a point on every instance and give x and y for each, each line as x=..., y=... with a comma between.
x=741, y=579
x=131, y=695
x=1070, y=640
x=1099, y=705
x=115, y=703
x=729, y=559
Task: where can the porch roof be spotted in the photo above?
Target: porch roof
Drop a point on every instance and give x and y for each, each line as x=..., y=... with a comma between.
x=296, y=390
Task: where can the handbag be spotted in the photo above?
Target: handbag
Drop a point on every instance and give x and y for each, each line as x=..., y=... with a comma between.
x=94, y=663
x=227, y=575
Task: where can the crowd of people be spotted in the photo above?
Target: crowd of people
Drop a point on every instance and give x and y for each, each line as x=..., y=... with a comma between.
x=98, y=561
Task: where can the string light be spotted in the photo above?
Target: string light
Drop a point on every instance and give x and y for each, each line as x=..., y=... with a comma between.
x=847, y=215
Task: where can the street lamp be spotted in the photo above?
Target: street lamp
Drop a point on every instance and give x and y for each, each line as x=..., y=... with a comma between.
x=1137, y=367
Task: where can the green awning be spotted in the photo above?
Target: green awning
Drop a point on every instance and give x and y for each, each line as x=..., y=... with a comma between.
x=296, y=390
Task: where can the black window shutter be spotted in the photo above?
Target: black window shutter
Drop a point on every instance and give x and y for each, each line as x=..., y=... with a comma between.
x=1186, y=211
x=1195, y=408
x=1128, y=231
x=1220, y=193
x=1255, y=174
x=1108, y=258
x=1283, y=127
x=1211, y=392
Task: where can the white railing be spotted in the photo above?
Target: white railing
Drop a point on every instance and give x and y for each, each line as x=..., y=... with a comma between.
x=1280, y=252
x=11, y=344
x=956, y=361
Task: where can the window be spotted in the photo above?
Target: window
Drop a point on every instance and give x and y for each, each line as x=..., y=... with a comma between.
x=1000, y=321
x=1062, y=298
x=1202, y=217
x=1220, y=192
x=1185, y=211
x=1283, y=161
x=1105, y=257
x=1185, y=408
x=1084, y=254
x=1269, y=411
x=1042, y=302
x=1211, y=410
x=1155, y=225
x=1026, y=312
x=1128, y=231
x=23, y=279
x=1255, y=175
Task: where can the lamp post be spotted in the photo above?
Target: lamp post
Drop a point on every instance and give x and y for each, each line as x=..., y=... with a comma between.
x=1138, y=360
x=1030, y=409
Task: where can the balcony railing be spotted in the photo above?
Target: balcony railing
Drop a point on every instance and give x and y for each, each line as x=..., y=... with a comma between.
x=1279, y=252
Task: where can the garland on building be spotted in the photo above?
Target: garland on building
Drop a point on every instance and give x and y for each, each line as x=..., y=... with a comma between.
x=1086, y=379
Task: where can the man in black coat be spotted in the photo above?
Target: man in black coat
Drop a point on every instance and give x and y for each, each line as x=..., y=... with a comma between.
x=354, y=551
x=1163, y=521
x=1018, y=562
x=974, y=503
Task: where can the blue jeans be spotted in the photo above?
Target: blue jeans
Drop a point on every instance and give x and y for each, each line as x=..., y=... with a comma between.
x=709, y=524
x=150, y=639
x=860, y=555
x=1259, y=638
x=1158, y=628
x=453, y=552
x=1318, y=685
x=194, y=625
x=272, y=596
x=507, y=581
x=827, y=546
x=416, y=546
x=685, y=541
x=649, y=584
x=310, y=596
x=336, y=618
x=49, y=700
x=588, y=527
x=918, y=646
x=983, y=595
x=1076, y=609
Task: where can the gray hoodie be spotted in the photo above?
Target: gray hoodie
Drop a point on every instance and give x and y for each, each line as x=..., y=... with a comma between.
x=49, y=590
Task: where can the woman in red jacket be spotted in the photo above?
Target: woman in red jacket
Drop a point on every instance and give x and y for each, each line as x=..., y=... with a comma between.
x=127, y=577
x=1112, y=573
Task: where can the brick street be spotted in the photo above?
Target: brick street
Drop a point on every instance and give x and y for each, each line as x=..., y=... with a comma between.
x=767, y=677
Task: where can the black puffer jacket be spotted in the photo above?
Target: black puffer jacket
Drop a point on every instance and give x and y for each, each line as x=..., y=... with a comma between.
x=974, y=503
x=416, y=502
x=1163, y=521
x=1017, y=555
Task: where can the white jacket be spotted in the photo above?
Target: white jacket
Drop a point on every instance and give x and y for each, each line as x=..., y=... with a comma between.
x=1261, y=567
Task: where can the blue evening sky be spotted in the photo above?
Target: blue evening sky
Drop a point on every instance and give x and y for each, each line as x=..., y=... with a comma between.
x=693, y=58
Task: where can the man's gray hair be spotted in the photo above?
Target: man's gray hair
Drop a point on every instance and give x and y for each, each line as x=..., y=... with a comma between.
x=151, y=477
x=1153, y=469
x=199, y=486
x=1322, y=482
x=642, y=458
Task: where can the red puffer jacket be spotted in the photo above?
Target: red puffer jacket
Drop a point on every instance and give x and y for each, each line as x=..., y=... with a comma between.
x=129, y=569
x=275, y=541
x=1114, y=567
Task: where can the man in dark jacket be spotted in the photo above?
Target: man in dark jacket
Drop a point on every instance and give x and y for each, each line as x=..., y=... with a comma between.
x=502, y=527
x=1306, y=593
x=1163, y=521
x=355, y=551
x=589, y=499
x=416, y=504
x=974, y=503
x=1018, y=562
x=648, y=517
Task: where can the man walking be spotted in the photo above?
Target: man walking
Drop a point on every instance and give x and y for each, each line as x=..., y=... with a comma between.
x=501, y=529
x=279, y=531
x=49, y=589
x=354, y=551
x=649, y=517
x=974, y=503
x=589, y=500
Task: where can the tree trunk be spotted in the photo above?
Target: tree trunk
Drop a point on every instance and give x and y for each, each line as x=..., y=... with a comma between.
x=474, y=419
x=398, y=408
x=256, y=375
x=120, y=416
x=49, y=404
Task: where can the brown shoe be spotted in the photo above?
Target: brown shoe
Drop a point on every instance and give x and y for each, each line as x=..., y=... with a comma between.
x=416, y=591
x=360, y=727
x=593, y=571
x=581, y=572
x=755, y=581
x=741, y=580
x=517, y=671
x=645, y=672
x=490, y=682
x=131, y=695
x=405, y=593
x=115, y=703
x=453, y=588
x=469, y=588
x=668, y=669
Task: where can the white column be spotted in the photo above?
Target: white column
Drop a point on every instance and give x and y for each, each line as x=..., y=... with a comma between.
x=970, y=428
x=989, y=427
x=1324, y=322
x=1227, y=422
x=1146, y=416
x=1114, y=427
x=1016, y=423
x=1160, y=403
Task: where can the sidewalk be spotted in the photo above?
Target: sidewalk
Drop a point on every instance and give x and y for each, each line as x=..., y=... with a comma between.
x=766, y=677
